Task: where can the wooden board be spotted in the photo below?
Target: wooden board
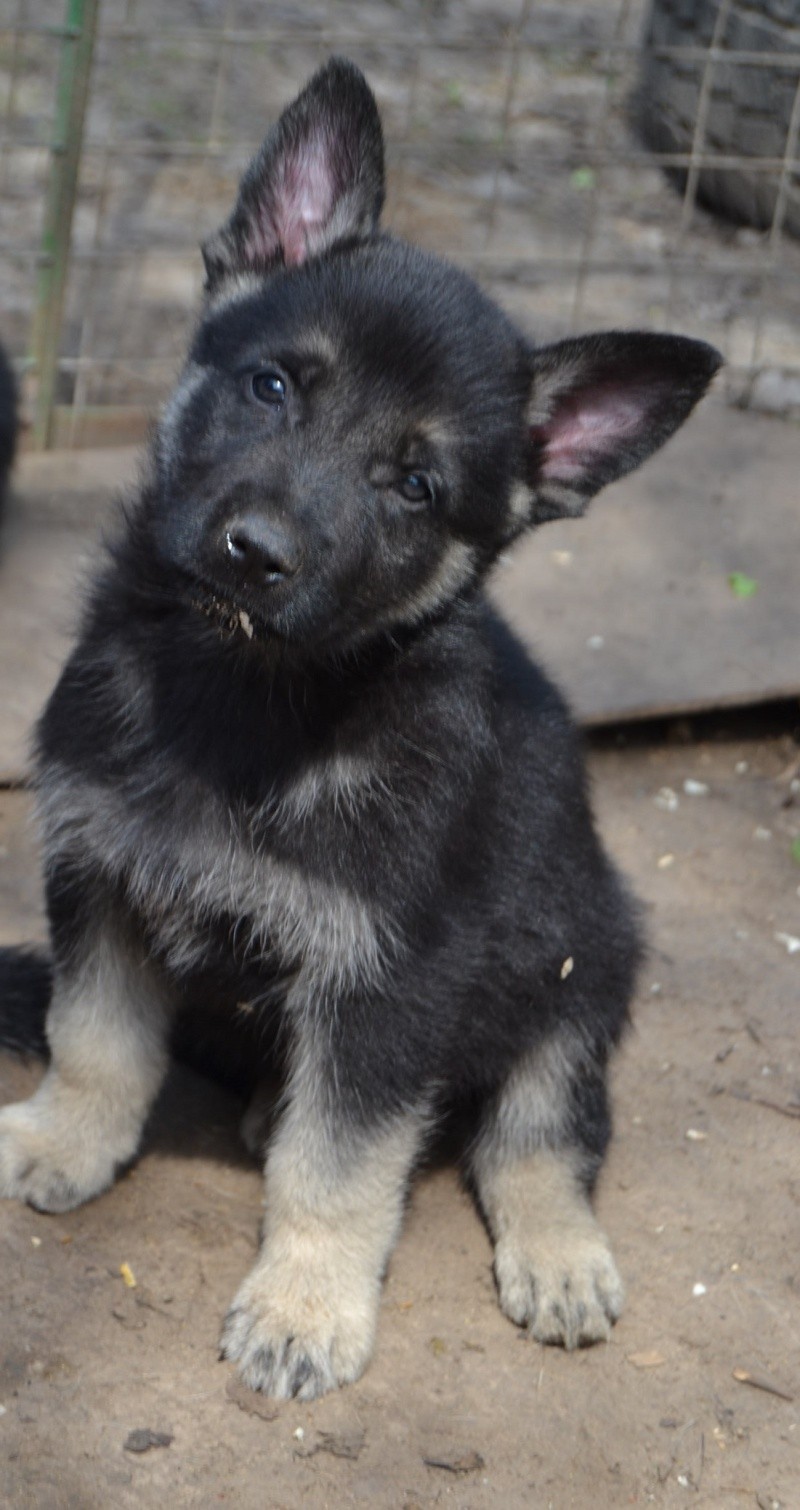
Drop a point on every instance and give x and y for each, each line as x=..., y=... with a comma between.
x=630, y=608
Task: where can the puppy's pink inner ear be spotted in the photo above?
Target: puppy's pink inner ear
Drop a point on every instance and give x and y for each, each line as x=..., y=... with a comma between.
x=298, y=207
x=587, y=427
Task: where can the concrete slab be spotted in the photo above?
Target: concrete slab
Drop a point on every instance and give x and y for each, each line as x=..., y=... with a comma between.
x=632, y=607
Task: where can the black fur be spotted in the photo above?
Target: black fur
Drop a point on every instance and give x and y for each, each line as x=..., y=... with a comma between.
x=289, y=658
x=26, y=980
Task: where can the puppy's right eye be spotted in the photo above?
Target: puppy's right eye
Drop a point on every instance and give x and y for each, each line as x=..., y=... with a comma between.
x=268, y=387
x=416, y=487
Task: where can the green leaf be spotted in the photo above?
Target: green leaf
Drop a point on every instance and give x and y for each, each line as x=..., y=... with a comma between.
x=582, y=178
x=741, y=585
x=794, y=851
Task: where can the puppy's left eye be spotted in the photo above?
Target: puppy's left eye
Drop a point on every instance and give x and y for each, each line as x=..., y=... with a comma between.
x=416, y=487
x=268, y=387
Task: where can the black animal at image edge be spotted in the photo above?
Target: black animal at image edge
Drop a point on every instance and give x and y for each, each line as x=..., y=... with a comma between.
x=299, y=787
x=8, y=424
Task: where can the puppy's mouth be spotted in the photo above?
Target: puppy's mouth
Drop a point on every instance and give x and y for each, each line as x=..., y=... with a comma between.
x=229, y=619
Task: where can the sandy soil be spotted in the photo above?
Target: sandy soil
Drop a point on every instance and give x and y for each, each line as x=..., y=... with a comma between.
x=701, y=1196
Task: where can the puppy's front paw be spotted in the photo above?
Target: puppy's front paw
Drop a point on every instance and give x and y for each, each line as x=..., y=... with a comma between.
x=562, y=1283
x=296, y=1331
x=48, y=1160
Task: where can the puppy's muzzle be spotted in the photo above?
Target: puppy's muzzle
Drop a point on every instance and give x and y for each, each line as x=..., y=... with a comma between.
x=259, y=551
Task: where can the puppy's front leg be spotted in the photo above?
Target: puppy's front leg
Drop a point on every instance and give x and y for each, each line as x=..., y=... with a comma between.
x=107, y=1027
x=304, y=1320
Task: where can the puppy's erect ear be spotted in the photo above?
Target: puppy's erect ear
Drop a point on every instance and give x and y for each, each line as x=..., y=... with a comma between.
x=599, y=406
x=317, y=179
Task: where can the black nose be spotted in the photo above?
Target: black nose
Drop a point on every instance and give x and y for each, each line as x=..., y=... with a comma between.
x=259, y=550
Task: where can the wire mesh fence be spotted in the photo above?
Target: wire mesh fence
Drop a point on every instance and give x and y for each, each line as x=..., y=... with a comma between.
x=564, y=152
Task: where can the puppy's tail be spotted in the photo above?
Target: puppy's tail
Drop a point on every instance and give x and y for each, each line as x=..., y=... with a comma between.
x=26, y=981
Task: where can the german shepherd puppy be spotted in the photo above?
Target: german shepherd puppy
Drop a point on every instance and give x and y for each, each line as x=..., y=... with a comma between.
x=297, y=774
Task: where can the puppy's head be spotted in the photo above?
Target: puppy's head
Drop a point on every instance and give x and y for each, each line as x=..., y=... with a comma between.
x=359, y=430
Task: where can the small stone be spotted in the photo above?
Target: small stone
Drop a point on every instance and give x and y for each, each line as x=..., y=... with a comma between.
x=143, y=1439
x=762, y=833
x=696, y=1135
x=340, y=1444
x=36, y=1242
x=567, y=967
x=742, y=767
x=698, y=1289
x=246, y=623
x=595, y=642
x=468, y=1461
x=666, y=799
x=695, y=788
x=792, y=943
x=664, y=861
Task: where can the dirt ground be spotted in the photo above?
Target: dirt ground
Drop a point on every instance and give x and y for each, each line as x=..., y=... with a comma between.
x=701, y=1197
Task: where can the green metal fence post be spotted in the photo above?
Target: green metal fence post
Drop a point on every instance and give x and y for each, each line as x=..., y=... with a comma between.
x=74, y=72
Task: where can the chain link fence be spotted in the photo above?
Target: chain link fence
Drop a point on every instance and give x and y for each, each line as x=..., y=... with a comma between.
x=567, y=153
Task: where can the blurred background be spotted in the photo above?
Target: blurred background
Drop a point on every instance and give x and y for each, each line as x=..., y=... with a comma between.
x=595, y=162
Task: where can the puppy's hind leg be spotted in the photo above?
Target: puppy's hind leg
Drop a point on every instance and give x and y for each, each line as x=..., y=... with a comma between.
x=534, y=1165
x=107, y=1027
x=259, y=1116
